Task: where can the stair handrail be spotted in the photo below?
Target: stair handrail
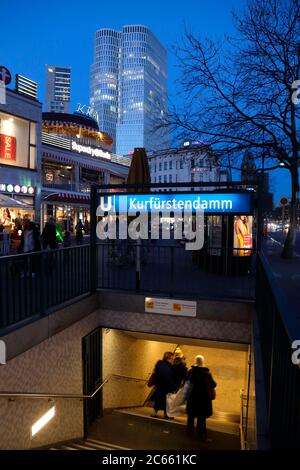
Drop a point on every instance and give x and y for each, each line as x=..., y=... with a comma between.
x=6, y=394
x=242, y=426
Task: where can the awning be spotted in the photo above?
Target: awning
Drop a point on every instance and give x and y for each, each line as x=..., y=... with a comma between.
x=68, y=198
x=6, y=201
x=63, y=159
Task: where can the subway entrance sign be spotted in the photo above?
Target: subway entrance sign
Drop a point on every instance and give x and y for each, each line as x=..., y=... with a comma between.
x=206, y=202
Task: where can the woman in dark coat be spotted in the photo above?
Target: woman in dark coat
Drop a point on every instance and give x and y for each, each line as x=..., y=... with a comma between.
x=163, y=383
x=199, y=403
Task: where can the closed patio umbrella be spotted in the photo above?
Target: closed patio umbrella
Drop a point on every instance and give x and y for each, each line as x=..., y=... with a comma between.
x=139, y=169
x=139, y=174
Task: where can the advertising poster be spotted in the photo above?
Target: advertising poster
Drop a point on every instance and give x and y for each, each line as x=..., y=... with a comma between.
x=242, y=235
x=7, y=147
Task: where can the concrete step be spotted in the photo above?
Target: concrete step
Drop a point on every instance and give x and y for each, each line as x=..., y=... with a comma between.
x=111, y=446
x=88, y=444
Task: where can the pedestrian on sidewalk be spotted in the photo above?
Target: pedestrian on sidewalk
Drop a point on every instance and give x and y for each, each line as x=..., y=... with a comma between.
x=79, y=235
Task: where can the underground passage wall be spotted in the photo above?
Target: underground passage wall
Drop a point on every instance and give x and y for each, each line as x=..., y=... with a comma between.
x=45, y=356
x=52, y=366
x=127, y=355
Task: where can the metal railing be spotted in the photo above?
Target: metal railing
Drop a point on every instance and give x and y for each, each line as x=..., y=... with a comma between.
x=243, y=419
x=34, y=283
x=12, y=395
x=278, y=328
x=171, y=270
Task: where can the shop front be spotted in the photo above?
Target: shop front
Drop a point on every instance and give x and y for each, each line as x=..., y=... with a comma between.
x=75, y=156
x=67, y=209
x=20, y=119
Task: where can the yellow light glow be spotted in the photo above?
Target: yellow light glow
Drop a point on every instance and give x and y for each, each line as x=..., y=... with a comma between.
x=40, y=423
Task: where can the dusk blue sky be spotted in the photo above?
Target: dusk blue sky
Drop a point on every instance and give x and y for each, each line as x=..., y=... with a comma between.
x=36, y=33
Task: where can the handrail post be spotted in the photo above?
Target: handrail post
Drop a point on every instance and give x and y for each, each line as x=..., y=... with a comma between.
x=93, y=240
x=43, y=285
x=260, y=221
x=172, y=272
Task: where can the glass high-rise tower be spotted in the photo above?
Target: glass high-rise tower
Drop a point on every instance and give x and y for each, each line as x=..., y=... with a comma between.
x=129, y=87
x=58, y=88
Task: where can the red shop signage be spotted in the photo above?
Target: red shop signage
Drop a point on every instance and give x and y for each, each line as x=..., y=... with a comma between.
x=8, y=145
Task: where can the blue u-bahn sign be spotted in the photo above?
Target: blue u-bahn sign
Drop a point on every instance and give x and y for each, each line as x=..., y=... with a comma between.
x=210, y=203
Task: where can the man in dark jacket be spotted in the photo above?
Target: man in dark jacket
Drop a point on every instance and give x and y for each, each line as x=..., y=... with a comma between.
x=49, y=235
x=163, y=383
x=199, y=402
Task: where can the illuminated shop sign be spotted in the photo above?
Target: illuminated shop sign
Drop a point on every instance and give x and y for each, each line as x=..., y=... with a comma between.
x=5, y=75
x=16, y=188
x=93, y=151
x=8, y=145
x=234, y=203
x=87, y=111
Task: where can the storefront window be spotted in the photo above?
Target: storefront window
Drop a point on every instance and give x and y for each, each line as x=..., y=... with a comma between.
x=32, y=163
x=214, y=225
x=17, y=141
x=32, y=134
x=12, y=218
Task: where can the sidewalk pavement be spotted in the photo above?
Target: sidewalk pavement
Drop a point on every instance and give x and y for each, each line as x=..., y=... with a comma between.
x=286, y=271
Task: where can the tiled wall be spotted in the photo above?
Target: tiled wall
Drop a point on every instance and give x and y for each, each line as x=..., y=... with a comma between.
x=55, y=366
x=126, y=355
x=130, y=356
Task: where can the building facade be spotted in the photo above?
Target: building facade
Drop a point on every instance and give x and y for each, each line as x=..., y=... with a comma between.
x=104, y=84
x=250, y=173
x=58, y=88
x=75, y=154
x=190, y=163
x=20, y=160
x=129, y=87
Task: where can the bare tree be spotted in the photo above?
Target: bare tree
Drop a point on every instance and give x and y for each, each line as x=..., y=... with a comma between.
x=239, y=93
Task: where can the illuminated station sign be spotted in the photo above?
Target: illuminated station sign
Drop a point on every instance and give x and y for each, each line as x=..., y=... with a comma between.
x=212, y=203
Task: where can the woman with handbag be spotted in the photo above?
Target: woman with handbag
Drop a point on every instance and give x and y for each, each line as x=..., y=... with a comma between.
x=163, y=381
x=199, y=401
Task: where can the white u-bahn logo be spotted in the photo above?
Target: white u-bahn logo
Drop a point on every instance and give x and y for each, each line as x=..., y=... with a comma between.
x=106, y=203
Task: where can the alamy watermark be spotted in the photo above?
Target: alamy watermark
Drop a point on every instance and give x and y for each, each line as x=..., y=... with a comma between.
x=296, y=93
x=2, y=352
x=144, y=221
x=296, y=354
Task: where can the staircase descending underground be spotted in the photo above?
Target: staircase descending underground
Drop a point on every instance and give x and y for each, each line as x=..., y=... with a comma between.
x=87, y=444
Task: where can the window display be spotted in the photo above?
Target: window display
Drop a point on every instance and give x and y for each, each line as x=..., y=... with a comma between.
x=17, y=142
